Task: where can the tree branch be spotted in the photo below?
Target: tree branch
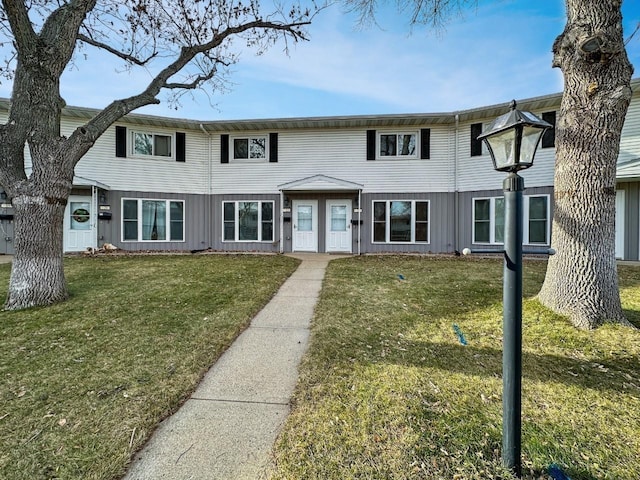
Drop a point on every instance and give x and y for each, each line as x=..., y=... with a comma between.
x=124, y=56
x=21, y=27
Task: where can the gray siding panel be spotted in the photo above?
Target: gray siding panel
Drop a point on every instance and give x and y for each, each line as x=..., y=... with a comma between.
x=631, y=219
x=441, y=224
x=217, y=225
x=195, y=219
x=465, y=209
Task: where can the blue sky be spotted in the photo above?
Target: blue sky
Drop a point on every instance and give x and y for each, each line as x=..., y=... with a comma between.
x=493, y=53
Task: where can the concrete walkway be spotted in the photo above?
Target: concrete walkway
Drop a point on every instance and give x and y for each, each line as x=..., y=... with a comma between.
x=228, y=426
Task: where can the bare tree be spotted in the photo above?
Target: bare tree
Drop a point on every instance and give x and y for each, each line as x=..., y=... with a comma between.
x=188, y=44
x=581, y=280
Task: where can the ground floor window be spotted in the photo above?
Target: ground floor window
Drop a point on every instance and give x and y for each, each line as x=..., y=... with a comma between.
x=401, y=221
x=488, y=220
x=152, y=220
x=248, y=221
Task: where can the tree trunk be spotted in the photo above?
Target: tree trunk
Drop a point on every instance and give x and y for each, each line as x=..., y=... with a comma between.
x=37, y=274
x=582, y=279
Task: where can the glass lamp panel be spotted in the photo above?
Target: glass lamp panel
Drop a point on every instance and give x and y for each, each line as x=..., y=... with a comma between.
x=503, y=146
x=530, y=138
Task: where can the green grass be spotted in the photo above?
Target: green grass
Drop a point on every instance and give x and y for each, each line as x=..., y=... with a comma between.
x=84, y=383
x=388, y=392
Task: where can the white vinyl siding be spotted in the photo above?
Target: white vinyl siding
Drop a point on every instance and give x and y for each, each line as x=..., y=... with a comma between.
x=150, y=220
x=146, y=173
x=340, y=154
x=400, y=221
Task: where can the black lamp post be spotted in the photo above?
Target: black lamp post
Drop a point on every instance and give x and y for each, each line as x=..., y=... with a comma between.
x=512, y=140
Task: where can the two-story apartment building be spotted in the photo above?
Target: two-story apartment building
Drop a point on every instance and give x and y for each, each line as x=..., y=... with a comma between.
x=358, y=184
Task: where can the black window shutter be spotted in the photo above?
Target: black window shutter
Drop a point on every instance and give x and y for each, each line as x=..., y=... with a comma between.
x=273, y=147
x=371, y=144
x=181, y=147
x=121, y=141
x=224, y=148
x=549, y=136
x=476, y=145
x=425, y=143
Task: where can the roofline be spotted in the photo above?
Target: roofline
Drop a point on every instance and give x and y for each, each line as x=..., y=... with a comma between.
x=339, y=121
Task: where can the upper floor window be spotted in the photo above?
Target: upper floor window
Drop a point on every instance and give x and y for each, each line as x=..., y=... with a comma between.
x=153, y=144
x=138, y=143
x=402, y=145
x=401, y=221
x=250, y=148
x=384, y=145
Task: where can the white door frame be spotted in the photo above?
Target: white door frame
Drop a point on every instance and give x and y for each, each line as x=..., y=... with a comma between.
x=339, y=241
x=80, y=240
x=307, y=241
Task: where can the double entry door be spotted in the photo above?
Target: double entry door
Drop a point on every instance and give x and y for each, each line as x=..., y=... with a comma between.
x=336, y=229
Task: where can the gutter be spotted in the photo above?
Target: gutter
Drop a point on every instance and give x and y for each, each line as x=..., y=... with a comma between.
x=456, y=213
x=209, y=215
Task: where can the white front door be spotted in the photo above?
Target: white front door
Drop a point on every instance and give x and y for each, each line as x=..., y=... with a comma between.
x=79, y=224
x=620, y=224
x=339, y=226
x=305, y=226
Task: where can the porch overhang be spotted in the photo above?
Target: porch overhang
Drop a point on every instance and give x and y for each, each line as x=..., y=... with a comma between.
x=320, y=183
x=79, y=181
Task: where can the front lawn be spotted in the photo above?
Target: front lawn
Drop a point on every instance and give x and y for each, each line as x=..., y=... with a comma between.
x=388, y=391
x=85, y=382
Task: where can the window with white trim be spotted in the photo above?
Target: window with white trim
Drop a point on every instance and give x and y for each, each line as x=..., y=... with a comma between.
x=398, y=144
x=536, y=226
x=247, y=221
x=253, y=148
x=151, y=144
x=488, y=220
x=152, y=220
x=401, y=221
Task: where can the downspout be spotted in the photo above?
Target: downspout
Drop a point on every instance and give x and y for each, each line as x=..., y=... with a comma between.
x=359, y=220
x=281, y=240
x=456, y=204
x=94, y=214
x=209, y=218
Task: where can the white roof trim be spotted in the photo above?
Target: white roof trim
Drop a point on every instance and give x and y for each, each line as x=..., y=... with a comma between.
x=320, y=182
x=79, y=181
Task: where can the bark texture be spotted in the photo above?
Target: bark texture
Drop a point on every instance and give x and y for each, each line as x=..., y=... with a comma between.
x=37, y=275
x=582, y=279
x=187, y=33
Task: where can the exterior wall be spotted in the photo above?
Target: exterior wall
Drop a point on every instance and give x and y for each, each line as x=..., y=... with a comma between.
x=322, y=198
x=449, y=179
x=441, y=226
x=465, y=215
x=6, y=226
x=474, y=173
x=217, y=218
x=630, y=139
x=196, y=211
x=338, y=153
x=631, y=219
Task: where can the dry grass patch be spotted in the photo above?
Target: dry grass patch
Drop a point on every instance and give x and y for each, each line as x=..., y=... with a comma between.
x=85, y=382
x=387, y=391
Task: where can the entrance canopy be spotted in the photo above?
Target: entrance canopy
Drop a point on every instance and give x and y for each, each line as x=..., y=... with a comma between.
x=320, y=183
